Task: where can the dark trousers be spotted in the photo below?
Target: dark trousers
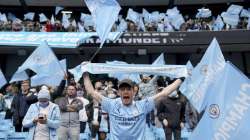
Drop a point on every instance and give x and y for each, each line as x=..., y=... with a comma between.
x=82, y=127
x=168, y=133
x=19, y=126
x=94, y=130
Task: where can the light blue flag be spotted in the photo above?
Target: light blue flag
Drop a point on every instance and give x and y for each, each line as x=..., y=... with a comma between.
x=77, y=72
x=227, y=114
x=154, y=17
x=203, y=75
x=172, y=12
x=42, y=17
x=45, y=64
x=218, y=24
x=204, y=13
x=105, y=13
x=133, y=16
x=123, y=26
x=2, y=79
x=65, y=20
x=3, y=17
x=141, y=25
x=187, y=81
x=234, y=9
x=175, y=17
x=19, y=76
x=63, y=65
x=29, y=16
x=230, y=19
x=58, y=9
x=160, y=60
x=245, y=13
x=146, y=16
x=51, y=74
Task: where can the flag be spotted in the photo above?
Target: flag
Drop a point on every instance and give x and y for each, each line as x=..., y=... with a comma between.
x=65, y=21
x=87, y=20
x=77, y=72
x=2, y=79
x=203, y=75
x=80, y=27
x=58, y=8
x=146, y=16
x=3, y=17
x=19, y=76
x=63, y=65
x=73, y=23
x=123, y=26
x=52, y=20
x=29, y=16
x=45, y=64
x=218, y=24
x=104, y=13
x=160, y=60
x=204, y=13
x=175, y=17
x=230, y=19
x=133, y=16
x=141, y=25
x=42, y=17
x=234, y=9
x=187, y=81
x=154, y=17
x=227, y=114
x=245, y=13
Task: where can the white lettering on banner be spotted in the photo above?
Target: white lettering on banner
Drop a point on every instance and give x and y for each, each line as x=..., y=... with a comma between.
x=235, y=115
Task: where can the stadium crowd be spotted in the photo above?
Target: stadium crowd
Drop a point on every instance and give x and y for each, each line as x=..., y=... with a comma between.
x=40, y=109
x=170, y=21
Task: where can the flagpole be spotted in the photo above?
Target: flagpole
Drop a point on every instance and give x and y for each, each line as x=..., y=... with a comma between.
x=96, y=52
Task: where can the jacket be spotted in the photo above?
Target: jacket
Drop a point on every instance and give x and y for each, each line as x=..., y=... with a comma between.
x=53, y=120
x=69, y=119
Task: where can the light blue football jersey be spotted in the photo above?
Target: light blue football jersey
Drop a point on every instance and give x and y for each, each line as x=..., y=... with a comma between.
x=127, y=122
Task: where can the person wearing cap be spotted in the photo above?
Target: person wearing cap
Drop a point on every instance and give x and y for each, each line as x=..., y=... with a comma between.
x=42, y=118
x=127, y=117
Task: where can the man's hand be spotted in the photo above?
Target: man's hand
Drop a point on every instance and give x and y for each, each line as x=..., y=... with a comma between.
x=71, y=108
x=165, y=122
x=35, y=120
x=43, y=121
x=85, y=63
x=182, y=125
x=96, y=123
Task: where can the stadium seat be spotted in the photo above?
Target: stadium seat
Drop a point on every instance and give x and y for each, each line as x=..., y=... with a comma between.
x=18, y=136
x=3, y=136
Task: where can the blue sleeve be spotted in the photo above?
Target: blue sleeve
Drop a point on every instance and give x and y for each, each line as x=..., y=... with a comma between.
x=148, y=104
x=29, y=117
x=54, y=121
x=107, y=104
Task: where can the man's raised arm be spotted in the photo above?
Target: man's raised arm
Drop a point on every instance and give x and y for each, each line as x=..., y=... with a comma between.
x=90, y=89
x=167, y=90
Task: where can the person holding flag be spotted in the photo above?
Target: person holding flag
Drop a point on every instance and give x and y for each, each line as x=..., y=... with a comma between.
x=127, y=117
